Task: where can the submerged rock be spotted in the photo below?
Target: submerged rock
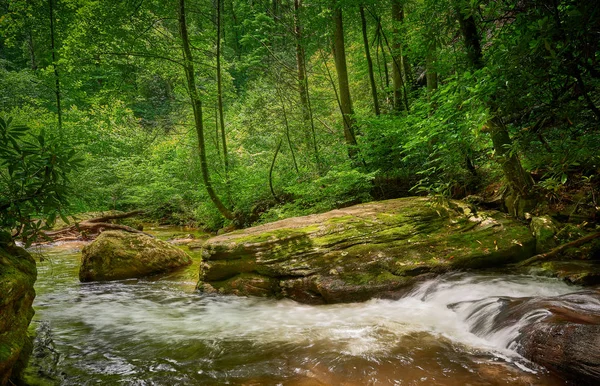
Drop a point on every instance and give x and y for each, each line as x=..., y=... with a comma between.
x=367, y=250
x=17, y=277
x=118, y=255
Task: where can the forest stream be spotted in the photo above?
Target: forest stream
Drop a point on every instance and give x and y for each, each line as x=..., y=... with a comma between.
x=160, y=331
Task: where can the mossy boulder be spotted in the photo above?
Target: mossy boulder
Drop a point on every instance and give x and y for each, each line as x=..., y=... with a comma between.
x=544, y=229
x=17, y=277
x=116, y=255
x=367, y=250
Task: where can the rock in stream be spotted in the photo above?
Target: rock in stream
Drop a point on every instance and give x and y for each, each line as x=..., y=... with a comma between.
x=370, y=250
x=116, y=255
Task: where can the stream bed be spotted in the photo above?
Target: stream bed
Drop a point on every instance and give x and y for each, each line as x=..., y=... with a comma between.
x=160, y=331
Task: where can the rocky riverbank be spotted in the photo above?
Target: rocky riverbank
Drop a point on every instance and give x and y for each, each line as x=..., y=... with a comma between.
x=370, y=250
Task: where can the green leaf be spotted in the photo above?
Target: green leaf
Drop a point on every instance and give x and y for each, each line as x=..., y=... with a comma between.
x=63, y=217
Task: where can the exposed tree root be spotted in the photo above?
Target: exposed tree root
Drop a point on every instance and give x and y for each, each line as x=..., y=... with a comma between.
x=89, y=229
x=558, y=250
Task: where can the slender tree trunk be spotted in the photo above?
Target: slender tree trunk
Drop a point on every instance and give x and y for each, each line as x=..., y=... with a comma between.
x=220, y=93
x=302, y=89
x=31, y=47
x=342, y=73
x=430, y=71
x=369, y=60
x=468, y=28
x=236, y=36
x=380, y=45
x=303, y=81
x=518, y=179
x=197, y=108
x=400, y=93
x=287, y=130
x=271, y=171
x=56, y=77
x=217, y=131
x=313, y=129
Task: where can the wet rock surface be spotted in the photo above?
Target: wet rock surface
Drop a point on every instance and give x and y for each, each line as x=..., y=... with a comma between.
x=370, y=250
x=566, y=341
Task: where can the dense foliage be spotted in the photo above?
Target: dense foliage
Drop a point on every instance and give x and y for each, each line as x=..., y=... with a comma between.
x=34, y=179
x=305, y=105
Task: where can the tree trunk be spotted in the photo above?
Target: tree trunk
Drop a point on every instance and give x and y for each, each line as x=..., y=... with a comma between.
x=400, y=94
x=220, y=93
x=430, y=72
x=271, y=172
x=287, y=131
x=342, y=73
x=303, y=81
x=56, y=77
x=518, y=179
x=369, y=60
x=302, y=89
x=471, y=37
x=31, y=47
x=380, y=46
x=197, y=108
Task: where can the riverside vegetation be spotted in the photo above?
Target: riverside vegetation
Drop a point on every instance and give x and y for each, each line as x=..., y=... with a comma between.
x=224, y=115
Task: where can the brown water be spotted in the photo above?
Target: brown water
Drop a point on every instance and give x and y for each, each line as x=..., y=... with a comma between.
x=159, y=331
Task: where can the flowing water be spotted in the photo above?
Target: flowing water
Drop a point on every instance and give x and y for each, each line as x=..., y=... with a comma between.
x=159, y=331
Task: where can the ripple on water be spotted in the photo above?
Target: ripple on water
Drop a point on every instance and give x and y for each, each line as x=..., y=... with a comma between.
x=157, y=332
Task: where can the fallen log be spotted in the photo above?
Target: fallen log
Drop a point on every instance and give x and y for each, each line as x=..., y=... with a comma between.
x=552, y=253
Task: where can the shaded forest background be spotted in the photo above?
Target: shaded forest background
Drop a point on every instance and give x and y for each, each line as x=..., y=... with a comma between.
x=300, y=106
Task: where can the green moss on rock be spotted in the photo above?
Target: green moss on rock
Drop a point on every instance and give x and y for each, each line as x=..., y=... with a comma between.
x=116, y=255
x=17, y=277
x=363, y=251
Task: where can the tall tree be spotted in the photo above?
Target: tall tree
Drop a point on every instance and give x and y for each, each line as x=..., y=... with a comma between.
x=188, y=66
x=520, y=182
x=220, y=89
x=363, y=21
x=431, y=75
x=54, y=66
x=300, y=62
x=342, y=73
x=399, y=67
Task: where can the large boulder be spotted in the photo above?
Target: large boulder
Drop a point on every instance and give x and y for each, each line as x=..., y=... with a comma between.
x=17, y=277
x=367, y=250
x=116, y=255
x=565, y=338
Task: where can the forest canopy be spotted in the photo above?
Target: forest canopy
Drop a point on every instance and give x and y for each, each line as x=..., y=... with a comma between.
x=215, y=112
